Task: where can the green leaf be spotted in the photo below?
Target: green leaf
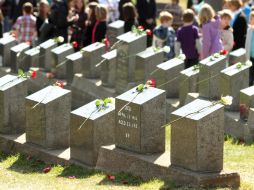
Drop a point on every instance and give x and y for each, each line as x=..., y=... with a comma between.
x=98, y=102
x=107, y=101
x=20, y=72
x=140, y=87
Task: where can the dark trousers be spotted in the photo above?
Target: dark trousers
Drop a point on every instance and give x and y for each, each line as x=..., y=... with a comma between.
x=190, y=62
x=251, y=77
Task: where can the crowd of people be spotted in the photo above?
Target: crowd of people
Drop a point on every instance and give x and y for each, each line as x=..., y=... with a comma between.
x=198, y=31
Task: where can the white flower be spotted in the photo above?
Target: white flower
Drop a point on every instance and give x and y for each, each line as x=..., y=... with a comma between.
x=182, y=57
x=60, y=39
x=166, y=49
x=226, y=100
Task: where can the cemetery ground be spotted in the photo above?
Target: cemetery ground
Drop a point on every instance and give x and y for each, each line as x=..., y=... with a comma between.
x=22, y=172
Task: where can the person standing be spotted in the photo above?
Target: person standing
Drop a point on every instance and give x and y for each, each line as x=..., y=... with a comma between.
x=25, y=26
x=210, y=30
x=147, y=15
x=42, y=15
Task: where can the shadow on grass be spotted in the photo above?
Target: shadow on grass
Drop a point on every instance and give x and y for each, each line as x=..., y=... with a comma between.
x=236, y=141
x=121, y=179
x=78, y=172
x=3, y=156
x=25, y=164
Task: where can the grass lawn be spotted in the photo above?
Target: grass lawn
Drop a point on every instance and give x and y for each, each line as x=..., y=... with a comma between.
x=22, y=172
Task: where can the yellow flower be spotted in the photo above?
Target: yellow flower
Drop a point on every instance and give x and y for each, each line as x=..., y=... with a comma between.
x=60, y=39
x=226, y=100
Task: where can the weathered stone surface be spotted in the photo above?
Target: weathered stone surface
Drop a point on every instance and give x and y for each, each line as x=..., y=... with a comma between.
x=45, y=57
x=209, y=77
x=91, y=57
x=17, y=55
x=115, y=29
x=98, y=130
x=197, y=136
x=249, y=132
x=237, y=56
x=31, y=59
x=108, y=69
x=47, y=124
x=73, y=65
x=112, y=159
x=232, y=80
x=86, y=90
x=59, y=59
x=188, y=83
x=167, y=76
x=191, y=97
x=129, y=45
x=136, y=128
x=13, y=91
x=171, y=105
x=246, y=102
x=6, y=44
x=146, y=62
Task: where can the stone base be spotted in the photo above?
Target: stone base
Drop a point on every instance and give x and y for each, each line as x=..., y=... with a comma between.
x=17, y=144
x=172, y=104
x=86, y=90
x=148, y=167
x=237, y=128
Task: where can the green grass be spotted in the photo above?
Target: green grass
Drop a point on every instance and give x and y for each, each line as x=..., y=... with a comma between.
x=22, y=172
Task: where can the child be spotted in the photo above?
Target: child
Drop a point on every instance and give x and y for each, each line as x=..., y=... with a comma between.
x=130, y=16
x=100, y=27
x=226, y=31
x=188, y=39
x=25, y=26
x=210, y=31
x=164, y=35
x=249, y=46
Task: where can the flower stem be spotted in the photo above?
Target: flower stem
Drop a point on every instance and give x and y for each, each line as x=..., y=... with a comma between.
x=42, y=98
x=96, y=110
x=129, y=102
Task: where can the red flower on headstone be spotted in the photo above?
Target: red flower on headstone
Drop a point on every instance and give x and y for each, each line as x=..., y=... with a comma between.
x=107, y=43
x=111, y=177
x=151, y=83
x=223, y=52
x=75, y=44
x=59, y=84
x=50, y=75
x=149, y=32
x=33, y=74
x=141, y=28
x=46, y=170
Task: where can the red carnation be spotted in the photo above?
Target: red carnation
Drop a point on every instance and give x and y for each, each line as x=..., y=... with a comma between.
x=75, y=44
x=111, y=177
x=33, y=74
x=59, y=84
x=151, y=83
x=107, y=43
x=46, y=170
x=223, y=52
x=140, y=27
x=148, y=32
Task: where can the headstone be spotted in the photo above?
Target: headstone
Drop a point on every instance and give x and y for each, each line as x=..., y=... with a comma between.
x=246, y=102
x=13, y=91
x=146, y=63
x=232, y=80
x=17, y=55
x=91, y=57
x=97, y=130
x=197, y=136
x=188, y=83
x=47, y=124
x=108, y=69
x=31, y=59
x=237, y=56
x=137, y=129
x=45, y=57
x=130, y=45
x=167, y=76
x=209, y=76
x=59, y=58
x=115, y=29
x=6, y=44
x=251, y=123
x=73, y=65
